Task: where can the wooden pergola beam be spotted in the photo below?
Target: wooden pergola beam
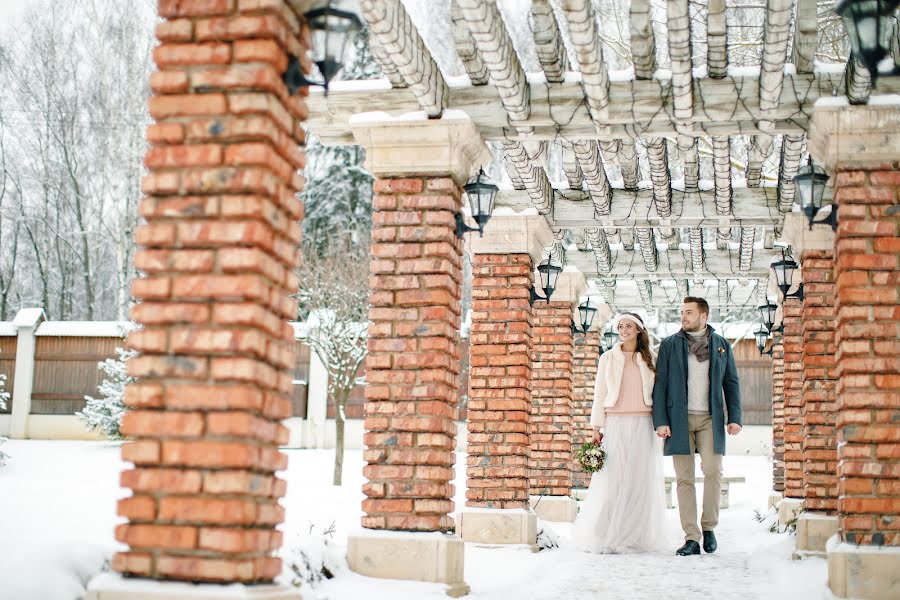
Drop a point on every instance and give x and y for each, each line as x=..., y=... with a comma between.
x=532, y=177
x=588, y=155
x=722, y=168
x=395, y=33
x=791, y=151
x=716, y=39
x=548, y=44
x=640, y=108
x=676, y=264
x=643, y=43
x=806, y=34
x=589, y=53
x=465, y=47
x=696, y=252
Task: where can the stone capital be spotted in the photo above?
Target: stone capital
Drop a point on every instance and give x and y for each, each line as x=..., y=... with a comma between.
x=570, y=286
x=513, y=234
x=398, y=146
x=796, y=233
x=860, y=135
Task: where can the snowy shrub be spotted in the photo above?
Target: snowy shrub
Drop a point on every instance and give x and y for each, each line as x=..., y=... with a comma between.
x=4, y=396
x=547, y=538
x=104, y=414
x=314, y=557
x=769, y=519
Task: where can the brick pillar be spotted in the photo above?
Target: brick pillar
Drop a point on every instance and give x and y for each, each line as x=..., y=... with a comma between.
x=500, y=398
x=859, y=145
x=793, y=399
x=219, y=249
x=778, y=413
x=584, y=372
x=499, y=409
x=412, y=369
x=818, y=415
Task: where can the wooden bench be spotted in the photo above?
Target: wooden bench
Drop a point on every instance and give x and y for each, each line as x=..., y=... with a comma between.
x=723, y=498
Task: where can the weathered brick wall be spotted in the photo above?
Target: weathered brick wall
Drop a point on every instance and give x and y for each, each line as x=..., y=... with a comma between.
x=551, y=400
x=412, y=369
x=219, y=249
x=868, y=354
x=499, y=381
x=819, y=373
x=584, y=371
x=777, y=412
x=793, y=399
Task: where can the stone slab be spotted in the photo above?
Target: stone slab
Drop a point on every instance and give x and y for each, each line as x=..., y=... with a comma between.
x=432, y=557
x=841, y=134
x=774, y=499
x=512, y=234
x=498, y=526
x=560, y=509
x=813, y=532
x=863, y=572
x=112, y=586
x=789, y=509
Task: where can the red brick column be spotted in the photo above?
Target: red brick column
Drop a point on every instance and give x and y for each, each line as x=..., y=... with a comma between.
x=819, y=373
x=777, y=412
x=584, y=372
x=868, y=353
x=412, y=369
x=549, y=472
x=219, y=249
x=499, y=408
x=793, y=399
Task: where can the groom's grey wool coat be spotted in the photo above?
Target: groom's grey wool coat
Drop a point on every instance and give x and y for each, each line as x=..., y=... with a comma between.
x=670, y=395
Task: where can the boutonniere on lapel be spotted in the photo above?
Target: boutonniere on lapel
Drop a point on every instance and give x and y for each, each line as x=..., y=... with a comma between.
x=721, y=350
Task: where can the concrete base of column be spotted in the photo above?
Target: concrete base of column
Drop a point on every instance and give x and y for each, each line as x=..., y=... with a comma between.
x=863, y=572
x=498, y=526
x=579, y=493
x=433, y=557
x=554, y=508
x=775, y=498
x=112, y=586
x=813, y=532
x=789, y=509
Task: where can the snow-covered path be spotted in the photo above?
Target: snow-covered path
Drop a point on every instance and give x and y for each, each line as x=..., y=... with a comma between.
x=57, y=513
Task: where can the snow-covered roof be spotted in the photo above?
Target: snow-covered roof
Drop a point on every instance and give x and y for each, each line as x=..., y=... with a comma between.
x=84, y=328
x=28, y=317
x=7, y=328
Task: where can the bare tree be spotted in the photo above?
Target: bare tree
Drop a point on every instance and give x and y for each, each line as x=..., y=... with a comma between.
x=334, y=300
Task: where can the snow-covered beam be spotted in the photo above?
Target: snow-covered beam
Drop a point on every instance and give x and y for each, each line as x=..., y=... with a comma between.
x=647, y=241
x=683, y=288
x=722, y=169
x=395, y=33
x=640, y=108
x=859, y=82
x=628, y=163
x=690, y=159
x=532, y=177
x=496, y=49
x=387, y=65
x=588, y=155
x=643, y=44
x=589, y=53
x=722, y=288
x=676, y=264
x=679, y=25
x=662, y=184
x=626, y=234
x=696, y=249
x=716, y=39
x=548, y=43
x=645, y=290
x=760, y=148
x=805, y=35
x=465, y=47
x=602, y=258
x=570, y=166
x=791, y=150
x=748, y=236
x=775, y=39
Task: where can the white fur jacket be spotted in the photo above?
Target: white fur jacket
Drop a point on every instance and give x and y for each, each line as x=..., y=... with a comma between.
x=609, y=380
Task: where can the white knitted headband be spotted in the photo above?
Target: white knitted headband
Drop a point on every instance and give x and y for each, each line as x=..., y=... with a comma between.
x=631, y=318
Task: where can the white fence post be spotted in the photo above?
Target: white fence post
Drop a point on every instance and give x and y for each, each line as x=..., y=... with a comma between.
x=26, y=323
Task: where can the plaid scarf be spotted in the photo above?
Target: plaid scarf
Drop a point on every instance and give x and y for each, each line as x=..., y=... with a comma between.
x=698, y=345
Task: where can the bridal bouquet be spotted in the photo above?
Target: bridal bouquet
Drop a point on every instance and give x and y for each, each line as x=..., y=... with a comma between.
x=591, y=457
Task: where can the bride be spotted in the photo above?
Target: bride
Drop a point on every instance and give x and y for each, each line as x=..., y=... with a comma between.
x=624, y=510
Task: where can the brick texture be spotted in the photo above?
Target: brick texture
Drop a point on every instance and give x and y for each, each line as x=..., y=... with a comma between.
x=585, y=356
x=499, y=382
x=819, y=374
x=412, y=369
x=777, y=412
x=793, y=399
x=549, y=461
x=867, y=261
x=218, y=249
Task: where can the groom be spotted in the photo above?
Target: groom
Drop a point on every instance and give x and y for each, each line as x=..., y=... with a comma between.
x=696, y=393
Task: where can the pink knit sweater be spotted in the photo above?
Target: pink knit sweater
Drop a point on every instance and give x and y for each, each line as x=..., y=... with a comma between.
x=631, y=395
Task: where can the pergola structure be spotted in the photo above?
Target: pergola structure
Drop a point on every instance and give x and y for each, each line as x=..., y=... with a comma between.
x=222, y=231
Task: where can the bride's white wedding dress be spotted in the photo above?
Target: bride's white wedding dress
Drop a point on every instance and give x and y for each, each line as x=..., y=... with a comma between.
x=625, y=506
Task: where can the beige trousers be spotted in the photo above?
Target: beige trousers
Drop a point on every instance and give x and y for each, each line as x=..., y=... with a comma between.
x=700, y=434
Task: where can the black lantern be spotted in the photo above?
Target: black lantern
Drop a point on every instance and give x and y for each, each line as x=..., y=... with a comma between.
x=548, y=271
x=331, y=29
x=762, y=336
x=586, y=313
x=810, y=181
x=784, y=276
x=610, y=338
x=480, y=193
x=869, y=25
x=767, y=314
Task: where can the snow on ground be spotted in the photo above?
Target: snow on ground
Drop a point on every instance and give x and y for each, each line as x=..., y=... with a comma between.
x=57, y=514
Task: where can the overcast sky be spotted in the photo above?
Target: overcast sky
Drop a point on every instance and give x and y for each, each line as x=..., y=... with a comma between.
x=11, y=9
